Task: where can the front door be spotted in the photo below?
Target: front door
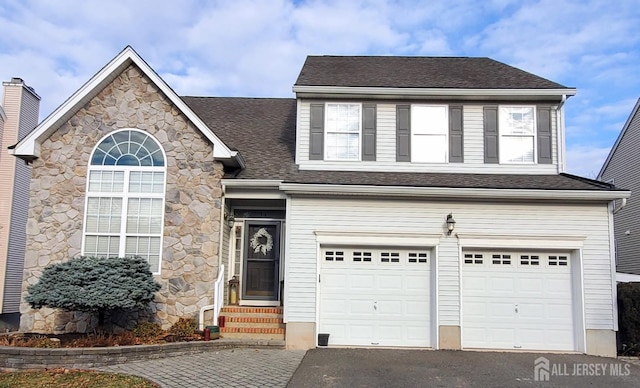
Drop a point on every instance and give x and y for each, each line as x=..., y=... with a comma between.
x=261, y=261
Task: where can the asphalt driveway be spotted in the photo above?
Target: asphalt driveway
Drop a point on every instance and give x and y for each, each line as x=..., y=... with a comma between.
x=427, y=368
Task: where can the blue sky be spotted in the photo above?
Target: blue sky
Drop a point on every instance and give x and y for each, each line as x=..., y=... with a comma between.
x=256, y=47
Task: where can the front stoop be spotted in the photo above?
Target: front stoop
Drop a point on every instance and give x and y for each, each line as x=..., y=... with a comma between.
x=252, y=323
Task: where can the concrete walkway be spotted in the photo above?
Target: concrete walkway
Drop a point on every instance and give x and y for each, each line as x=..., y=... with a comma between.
x=220, y=368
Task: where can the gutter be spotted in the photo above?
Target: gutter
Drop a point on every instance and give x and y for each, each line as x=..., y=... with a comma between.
x=451, y=192
x=622, y=205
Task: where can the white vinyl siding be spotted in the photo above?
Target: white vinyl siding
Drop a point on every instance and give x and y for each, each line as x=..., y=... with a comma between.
x=307, y=215
x=386, y=147
x=386, y=134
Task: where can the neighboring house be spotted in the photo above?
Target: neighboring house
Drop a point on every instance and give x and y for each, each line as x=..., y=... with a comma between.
x=18, y=116
x=622, y=168
x=338, y=205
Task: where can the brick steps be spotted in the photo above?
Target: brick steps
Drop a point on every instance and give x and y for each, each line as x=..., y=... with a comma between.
x=243, y=322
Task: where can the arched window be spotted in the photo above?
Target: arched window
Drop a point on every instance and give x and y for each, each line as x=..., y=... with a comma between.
x=125, y=198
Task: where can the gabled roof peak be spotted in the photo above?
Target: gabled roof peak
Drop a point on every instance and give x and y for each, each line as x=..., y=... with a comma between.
x=29, y=147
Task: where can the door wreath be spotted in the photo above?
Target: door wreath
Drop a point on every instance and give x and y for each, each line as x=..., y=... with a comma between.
x=261, y=241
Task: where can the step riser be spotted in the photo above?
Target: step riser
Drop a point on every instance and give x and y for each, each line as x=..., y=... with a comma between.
x=251, y=315
x=252, y=310
x=252, y=330
x=278, y=337
x=255, y=325
x=244, y=319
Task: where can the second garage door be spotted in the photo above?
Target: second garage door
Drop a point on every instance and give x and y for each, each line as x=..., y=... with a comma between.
x=376, y=297
x=517, y=300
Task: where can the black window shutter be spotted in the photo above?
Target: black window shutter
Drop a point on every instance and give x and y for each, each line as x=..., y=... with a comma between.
x=403, y=133
x=456, y=134
x=544, y=135
x=316, y=132
x=369, y=132
x=491, y=134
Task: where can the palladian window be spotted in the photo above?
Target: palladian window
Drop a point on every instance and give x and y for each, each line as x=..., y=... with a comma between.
x=125, y=198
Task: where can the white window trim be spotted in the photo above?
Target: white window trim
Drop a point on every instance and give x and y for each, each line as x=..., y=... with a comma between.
x=501, y=134
x=446, y=134
x=326, y=132
x=125, y=195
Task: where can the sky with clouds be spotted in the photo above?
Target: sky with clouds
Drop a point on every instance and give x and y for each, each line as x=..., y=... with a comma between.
x=256, y=48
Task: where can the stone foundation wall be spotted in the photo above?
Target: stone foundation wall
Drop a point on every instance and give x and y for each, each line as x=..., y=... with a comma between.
x=192, y=209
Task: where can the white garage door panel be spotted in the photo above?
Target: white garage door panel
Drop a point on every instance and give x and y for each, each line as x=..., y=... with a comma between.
x=383, y=298
x=508, y=303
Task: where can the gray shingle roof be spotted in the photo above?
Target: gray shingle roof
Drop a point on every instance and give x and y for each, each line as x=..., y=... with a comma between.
x=263, y=130
x=417, y=72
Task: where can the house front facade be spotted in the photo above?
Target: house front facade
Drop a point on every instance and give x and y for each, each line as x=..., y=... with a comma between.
x=396, y=201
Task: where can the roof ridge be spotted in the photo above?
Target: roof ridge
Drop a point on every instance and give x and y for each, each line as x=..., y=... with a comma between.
x=240, y=98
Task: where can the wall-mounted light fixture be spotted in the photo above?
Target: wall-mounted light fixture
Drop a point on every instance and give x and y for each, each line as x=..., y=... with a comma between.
x=230, y=219
x=451, y=224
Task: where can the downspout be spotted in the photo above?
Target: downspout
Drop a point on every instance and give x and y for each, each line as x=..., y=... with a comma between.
x=560, y=134
x=622, y=205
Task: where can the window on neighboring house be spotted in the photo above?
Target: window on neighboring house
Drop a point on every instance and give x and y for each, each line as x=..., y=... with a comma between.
x=342, y=131
x=429, y=129
x=517, y=130
x=125, y=198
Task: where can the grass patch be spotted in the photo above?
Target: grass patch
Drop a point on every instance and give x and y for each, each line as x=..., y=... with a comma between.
x=72, y=379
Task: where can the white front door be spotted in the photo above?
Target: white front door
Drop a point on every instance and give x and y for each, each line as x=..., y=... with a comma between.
x=517, y=300
x=375, y=297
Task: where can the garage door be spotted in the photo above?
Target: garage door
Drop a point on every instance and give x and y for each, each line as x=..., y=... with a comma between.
x=375, y=297
x=513, y=300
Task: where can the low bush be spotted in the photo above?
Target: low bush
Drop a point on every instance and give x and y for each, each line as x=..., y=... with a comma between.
x=148, y=330
x=184, y=327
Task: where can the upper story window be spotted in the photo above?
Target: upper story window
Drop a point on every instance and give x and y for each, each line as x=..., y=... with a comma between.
x=517, y=127
x=342, y=132
x=429, y=129
x=125, y=198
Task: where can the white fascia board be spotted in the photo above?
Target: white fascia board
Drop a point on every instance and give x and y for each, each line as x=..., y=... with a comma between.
x=431, y=92
x=449, y=192
x=29, y=146
x=258, y=183
x=520, y=241
x=347, y=237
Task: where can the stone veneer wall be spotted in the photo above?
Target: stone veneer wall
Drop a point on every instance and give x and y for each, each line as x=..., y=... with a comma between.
x=192, y=210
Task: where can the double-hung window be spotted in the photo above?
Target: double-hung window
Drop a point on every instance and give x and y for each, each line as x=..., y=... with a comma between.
x=125, y=198
x=342, y=131
x=429, y=130
x=517, y=128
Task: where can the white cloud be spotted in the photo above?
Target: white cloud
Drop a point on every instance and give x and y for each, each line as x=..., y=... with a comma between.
x=256, y=47
x=586, y=160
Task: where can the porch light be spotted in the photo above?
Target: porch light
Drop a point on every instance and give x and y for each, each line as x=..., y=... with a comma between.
x=230, y=218
x=451, y=224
